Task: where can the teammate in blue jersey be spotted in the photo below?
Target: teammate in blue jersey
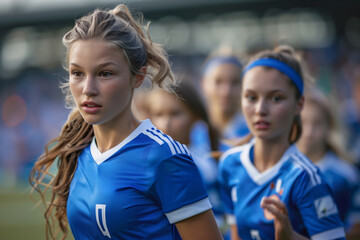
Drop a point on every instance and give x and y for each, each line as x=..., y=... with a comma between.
x=119, y=178
x=220, y=86
x=176, y=114
x=321, y=142
x=270, y=189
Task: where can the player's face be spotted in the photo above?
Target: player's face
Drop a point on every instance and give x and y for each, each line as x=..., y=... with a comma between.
x=221, y=88
x=269, y=104
x=171, y=116
x=100, y=81
x=314, y=129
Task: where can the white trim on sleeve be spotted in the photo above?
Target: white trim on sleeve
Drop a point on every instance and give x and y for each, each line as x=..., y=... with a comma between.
x=188, y=211
x=230, y=219
x=330, y=234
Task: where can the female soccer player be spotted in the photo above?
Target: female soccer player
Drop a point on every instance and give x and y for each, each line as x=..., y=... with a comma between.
x=270, y=189
x=119, y=178
x=177, y=113
x=317, y=142
x=221, y=89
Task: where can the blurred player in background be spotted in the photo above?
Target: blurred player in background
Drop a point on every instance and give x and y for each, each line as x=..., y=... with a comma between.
x=270, y=189
x=221, y=89
x=117, y=177
x=320, y=143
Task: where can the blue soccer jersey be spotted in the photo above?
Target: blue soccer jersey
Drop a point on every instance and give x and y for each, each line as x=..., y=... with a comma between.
x=342, y=179
x=294, y=180
x=136, y=190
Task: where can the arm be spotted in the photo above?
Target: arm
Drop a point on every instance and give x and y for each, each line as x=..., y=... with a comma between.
x=199, y=227
x=283, y=228
x=234, y=232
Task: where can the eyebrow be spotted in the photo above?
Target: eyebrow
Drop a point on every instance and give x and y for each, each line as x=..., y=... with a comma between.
x=271, y=92
x=98, y=66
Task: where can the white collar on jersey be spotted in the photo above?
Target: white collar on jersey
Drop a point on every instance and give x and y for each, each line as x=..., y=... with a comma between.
x=100, y=157
x=263, y=177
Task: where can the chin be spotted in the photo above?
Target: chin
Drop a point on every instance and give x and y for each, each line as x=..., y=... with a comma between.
x=92, y=121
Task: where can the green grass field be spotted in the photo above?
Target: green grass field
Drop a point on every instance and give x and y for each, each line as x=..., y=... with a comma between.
x=19, y=218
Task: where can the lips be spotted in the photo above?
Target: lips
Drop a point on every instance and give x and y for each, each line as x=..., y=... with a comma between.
x=262, y=125
x=90, y=104
x=90, y=107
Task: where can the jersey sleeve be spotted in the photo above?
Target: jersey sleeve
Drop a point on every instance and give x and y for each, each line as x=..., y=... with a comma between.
x=225, y=190
x=179, y=188
x=317, y=208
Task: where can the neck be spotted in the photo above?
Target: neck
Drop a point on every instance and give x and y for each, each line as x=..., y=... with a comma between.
x=268, y=153
x=108, y=136
x=316, y=156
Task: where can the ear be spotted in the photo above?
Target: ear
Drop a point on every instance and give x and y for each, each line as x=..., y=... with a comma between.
x=299, y=105
x=139, y=77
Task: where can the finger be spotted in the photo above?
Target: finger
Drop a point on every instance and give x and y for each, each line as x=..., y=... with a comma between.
x=278, y=213
x=275, y=201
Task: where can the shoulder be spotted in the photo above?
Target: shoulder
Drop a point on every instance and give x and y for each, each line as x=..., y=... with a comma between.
x=232, y=157
x=303, y=169
x=331, y=162
x=161, y=143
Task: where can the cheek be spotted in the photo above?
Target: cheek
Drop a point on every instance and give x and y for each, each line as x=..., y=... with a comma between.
x=246, y=108
x=74, y=88
x=320, y=133
x=182, y=123
x=285, y=112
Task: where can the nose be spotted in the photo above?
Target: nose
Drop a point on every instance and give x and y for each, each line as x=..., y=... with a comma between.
x=261, y=107
x=224, y=90
x=90, y=87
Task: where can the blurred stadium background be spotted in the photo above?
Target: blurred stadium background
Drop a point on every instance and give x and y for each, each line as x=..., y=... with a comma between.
x=31, y=58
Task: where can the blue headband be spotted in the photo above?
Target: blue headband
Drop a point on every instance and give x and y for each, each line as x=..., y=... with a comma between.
x=216, y=61
x=282, y=67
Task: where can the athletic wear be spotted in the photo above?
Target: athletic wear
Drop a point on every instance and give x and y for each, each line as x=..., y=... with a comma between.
x=136, y=190
x=294, y=179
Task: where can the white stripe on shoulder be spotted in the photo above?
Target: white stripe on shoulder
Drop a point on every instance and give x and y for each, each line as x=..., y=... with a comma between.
x=309, y=164
x=148, y=133
x=302, y=165
x=182, y=148
x=162, y=137
x=233, y=150
x=176, y=144
x=186, y=149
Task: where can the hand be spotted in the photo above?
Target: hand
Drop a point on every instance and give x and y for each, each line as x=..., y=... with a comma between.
x=275, y=209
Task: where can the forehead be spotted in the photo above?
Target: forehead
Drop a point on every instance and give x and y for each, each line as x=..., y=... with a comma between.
x=225, y=70
x=98, y=49
x=266, y=79
x=162, y=100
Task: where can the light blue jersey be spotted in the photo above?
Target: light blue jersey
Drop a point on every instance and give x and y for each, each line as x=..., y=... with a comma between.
x=136, y=190
x=208, y=169
x=237, y=127
x=343, y=179
x=294, y=180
